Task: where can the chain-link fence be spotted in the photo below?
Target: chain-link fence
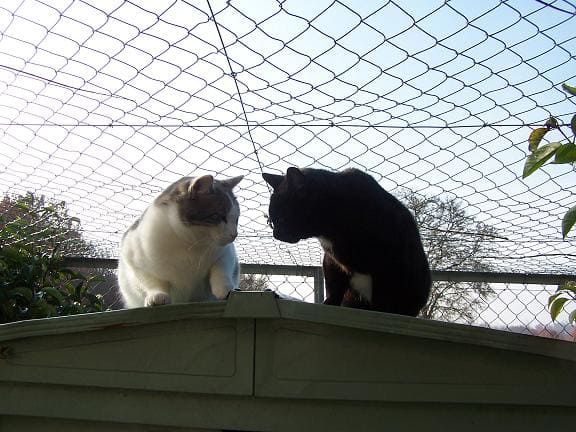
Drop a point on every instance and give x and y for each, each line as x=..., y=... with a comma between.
x=104, y=104
x=512, y=302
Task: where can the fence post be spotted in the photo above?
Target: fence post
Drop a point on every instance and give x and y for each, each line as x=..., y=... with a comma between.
x=318, y=285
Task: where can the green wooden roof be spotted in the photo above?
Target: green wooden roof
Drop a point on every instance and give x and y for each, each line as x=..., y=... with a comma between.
x=207, y=363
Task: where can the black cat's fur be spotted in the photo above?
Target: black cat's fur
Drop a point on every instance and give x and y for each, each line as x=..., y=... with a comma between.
x=363, y=230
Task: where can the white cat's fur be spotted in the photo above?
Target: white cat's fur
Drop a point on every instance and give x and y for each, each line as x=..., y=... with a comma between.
x=163, y=261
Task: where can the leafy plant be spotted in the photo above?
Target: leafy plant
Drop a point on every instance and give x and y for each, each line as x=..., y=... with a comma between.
x=558, y=300
x=33, y=285
x=563, y=153
x=33, y=282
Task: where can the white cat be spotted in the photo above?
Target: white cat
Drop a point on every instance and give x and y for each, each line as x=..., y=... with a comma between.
x=181, y=249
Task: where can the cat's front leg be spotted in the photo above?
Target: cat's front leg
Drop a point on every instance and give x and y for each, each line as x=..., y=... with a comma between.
x=225, y=274
x=156, y=291
x=337, y=281
x=221, y=283
x=157, y=298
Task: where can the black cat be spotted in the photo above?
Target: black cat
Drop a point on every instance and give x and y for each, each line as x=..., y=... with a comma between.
x=373, y=254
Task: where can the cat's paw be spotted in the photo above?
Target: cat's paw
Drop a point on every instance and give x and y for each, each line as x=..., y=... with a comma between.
x=222, y=291
x=157, y=299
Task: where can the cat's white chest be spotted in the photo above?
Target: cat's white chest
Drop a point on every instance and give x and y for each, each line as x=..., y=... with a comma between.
x=188, y=267
x=362, y=284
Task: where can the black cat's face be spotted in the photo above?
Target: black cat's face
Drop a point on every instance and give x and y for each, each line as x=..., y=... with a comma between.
x=289, y=206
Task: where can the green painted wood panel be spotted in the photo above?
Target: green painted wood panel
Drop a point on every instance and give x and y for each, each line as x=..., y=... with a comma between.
x=201, y=354
x=218, y=412
x=299, y=359
x=261, y=364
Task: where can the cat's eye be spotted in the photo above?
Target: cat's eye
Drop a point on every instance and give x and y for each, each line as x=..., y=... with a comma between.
x=215, y=218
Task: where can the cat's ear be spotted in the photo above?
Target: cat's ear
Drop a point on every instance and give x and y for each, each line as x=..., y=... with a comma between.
x=273, y=180
x=231, y=183
x=201, y=185
x=295, y=178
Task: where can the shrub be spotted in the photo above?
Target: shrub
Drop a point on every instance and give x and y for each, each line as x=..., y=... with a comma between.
x=33, y=281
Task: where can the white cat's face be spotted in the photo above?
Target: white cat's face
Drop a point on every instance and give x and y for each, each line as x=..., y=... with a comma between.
x=202, y=210
x=225, y=232
x=221, y=234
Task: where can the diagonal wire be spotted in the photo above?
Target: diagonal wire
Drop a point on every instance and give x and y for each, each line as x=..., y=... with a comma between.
x=59, y=84
x=233, y=74
x=550, y=5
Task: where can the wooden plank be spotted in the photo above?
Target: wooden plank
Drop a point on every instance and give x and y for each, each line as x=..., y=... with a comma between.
x=300, y=359
x=198, y=355
x=47, y=424
x=423, y=328
x=109, y=319
x=218, y=412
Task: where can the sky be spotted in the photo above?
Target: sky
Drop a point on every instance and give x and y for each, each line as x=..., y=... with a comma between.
x=104, y=104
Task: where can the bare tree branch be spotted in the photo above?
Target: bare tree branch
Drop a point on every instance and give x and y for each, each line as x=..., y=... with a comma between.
x=459, y=241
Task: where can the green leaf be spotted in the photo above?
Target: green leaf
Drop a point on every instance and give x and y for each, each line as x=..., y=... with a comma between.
x=24, y=292
x=535, y=138
x=42, y=309
x=568, y=221
x=565, y=154
x=539, y=158
x=551, y=123
x=72, y=274
x=54, y=293
x=573, y=124
x=569, y=89
x=568, y=286
x=554, y=296
x=556, y=307
x=572, y=317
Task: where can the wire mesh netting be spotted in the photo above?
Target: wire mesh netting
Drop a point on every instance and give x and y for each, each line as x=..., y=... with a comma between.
x=104, y=104
x=515, y=307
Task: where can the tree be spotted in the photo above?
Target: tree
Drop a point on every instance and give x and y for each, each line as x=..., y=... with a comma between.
x=252, y=282
x=453, y=240
x=34, y=235
x=28, y=219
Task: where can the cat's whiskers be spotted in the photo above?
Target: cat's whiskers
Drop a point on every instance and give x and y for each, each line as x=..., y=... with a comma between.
x=200, y=252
